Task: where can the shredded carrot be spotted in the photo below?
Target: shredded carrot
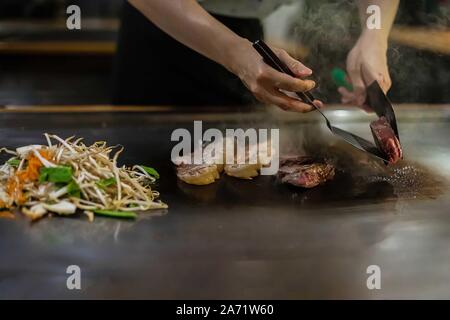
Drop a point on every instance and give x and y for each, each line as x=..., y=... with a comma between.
x=6, y=215
x=29, y=174
x=14, y=189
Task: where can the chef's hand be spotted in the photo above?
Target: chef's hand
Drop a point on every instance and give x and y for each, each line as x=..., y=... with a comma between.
x=366, y=63
x=189, y=23
x=268, y=84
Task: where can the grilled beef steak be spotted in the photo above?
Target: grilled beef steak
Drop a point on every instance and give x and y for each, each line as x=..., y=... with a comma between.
x=386, y=139
x=304, y=171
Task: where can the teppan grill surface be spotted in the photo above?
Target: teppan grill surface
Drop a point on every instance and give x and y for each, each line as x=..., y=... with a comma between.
x=244, y=239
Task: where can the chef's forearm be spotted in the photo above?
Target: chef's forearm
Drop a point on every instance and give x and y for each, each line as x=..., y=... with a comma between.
x=388, y=10
x=190, y=24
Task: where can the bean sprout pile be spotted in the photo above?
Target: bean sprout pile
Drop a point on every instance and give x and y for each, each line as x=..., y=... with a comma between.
x=65, y=175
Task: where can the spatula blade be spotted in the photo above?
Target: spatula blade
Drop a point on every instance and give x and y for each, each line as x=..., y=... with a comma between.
x=358, y=142
x=377, y=100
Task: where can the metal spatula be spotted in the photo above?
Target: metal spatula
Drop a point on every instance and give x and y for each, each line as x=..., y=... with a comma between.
x=362, y=144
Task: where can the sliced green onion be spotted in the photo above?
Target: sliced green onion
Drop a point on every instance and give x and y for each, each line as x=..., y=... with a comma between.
x=151, y=171
x=62, y=174
x=13, y=162
x=116, y=214
x=73, y=189
x=105, y=183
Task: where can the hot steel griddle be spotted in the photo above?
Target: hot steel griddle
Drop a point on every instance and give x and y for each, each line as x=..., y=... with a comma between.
x=244, y=239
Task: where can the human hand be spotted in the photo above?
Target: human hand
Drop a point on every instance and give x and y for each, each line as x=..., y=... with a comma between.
x=366, y=62
x=269, y=85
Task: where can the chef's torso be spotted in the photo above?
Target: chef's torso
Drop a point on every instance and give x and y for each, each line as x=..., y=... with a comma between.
x=243, y=8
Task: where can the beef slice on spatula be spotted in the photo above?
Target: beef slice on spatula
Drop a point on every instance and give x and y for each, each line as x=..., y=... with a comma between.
x=386, y=140
x=384, y=130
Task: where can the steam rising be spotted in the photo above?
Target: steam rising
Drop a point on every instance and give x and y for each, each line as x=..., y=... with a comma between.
x=329, y=30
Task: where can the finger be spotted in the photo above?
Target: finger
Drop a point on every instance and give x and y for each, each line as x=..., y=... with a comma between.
x=287, y=103
x=367, y=108
x=347, y=96
x=370, y=76
x=318, y=103
x=286, y=82
x=359, y=87
x=298, y=68
x=345, y=92
x=345, y=100
x=384, y=81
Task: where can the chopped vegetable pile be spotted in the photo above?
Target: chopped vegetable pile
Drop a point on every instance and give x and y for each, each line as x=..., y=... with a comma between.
x=66, y=175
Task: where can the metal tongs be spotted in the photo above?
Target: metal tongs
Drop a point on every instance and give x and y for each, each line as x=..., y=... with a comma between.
x=375, y=99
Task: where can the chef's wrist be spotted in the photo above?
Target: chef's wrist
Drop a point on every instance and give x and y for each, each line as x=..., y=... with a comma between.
x=377, y=35
x=370, y=38
x=235, y=54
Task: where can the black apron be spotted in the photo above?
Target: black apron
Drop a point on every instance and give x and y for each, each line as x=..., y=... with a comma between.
x=151, y=68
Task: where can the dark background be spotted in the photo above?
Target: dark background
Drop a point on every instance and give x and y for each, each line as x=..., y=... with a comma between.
x=327, y=28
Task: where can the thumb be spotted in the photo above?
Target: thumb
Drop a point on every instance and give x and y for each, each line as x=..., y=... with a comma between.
x=385, y=81
x=382, y=77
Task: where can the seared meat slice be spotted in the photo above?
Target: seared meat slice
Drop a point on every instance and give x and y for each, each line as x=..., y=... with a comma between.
x=242, y=168
x=242, y=171
x=304, y=172
x=198, y=174
x=386, y=139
